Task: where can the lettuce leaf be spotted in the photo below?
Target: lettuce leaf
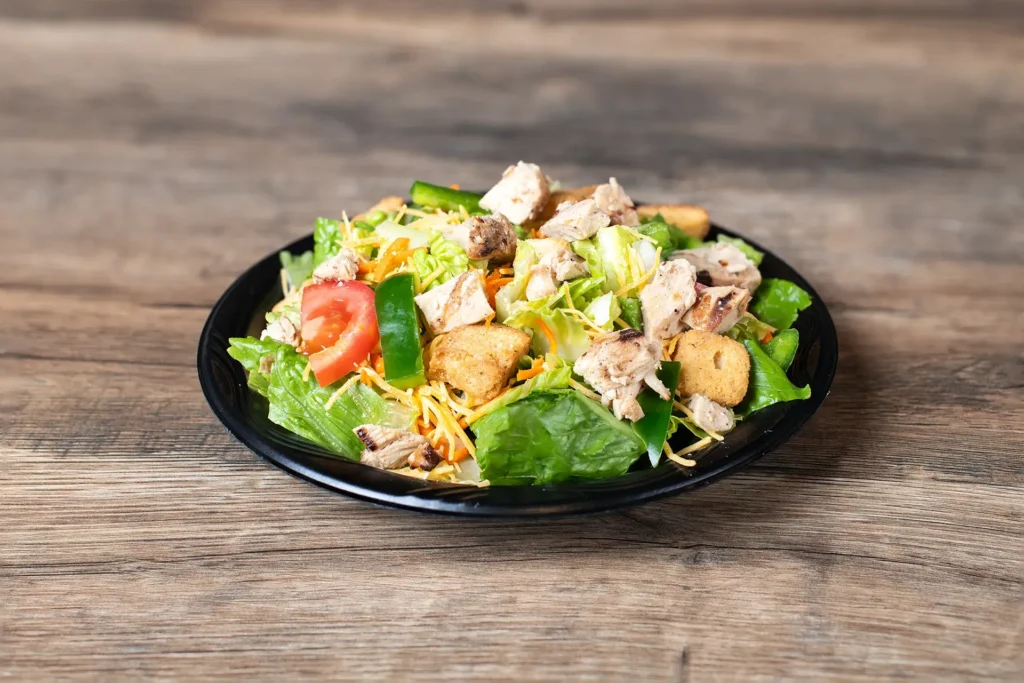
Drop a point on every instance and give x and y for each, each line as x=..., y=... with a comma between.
x=668, y=237
x=768, y=382
x=515, y=291
x=554, y=436
x=326, y=240
x=631, y=312
x=779, y=302
x=297, y=268
x=557, y=376
x=299, y=405
x=440, y=253
x=604, y=310
x=569, y=332
x=618, y=261
x=751, y=253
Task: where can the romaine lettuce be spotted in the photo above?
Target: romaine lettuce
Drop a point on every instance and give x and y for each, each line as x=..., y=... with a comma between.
x=556, y=376
x=668, y=237
x=326, y=240
x=604, y=310
x=768, y=382
x=618, y=260
x=297, y=268
x=631, y=312
x=779, y=302
x=440, y=253
x=554, y=436
x=526, y=258
x=299, y=405
x=567, y=329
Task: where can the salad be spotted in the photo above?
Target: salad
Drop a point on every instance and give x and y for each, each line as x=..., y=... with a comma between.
x=529, y=335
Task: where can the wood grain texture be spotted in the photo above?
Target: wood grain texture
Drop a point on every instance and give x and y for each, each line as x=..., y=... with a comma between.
x=150, y=151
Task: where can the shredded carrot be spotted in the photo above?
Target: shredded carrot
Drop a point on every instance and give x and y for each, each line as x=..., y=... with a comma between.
x=377, y=363
x=549, y=334
x=532, y=372
x=455, y=186
x=463, y=423
x=365, y=379
x=767, y=338
x=365, y=267
x=492, y=284
x=385, y=262
x=459, y=455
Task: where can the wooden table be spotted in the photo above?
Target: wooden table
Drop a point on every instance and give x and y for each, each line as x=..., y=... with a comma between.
x=149, y=152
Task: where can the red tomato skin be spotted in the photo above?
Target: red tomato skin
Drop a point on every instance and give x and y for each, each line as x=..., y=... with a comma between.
x=339, y=327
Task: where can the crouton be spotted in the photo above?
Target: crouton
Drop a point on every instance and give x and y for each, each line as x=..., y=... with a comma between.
x=693, y=220
x=714, y=366
x=386, y=204
x=478, y=359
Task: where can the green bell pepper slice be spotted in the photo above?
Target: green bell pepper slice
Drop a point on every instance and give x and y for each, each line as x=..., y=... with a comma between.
x=782, y=347
x=653, y=426
x=399, y=331
x=445, y=198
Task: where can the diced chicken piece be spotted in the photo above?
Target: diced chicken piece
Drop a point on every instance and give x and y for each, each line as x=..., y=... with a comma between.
x=478, y=359
x=713, y=366
x=564, y=263
x=342, y=266
x=710, y=416
x=559, y=197
x=722, y=264
x=391, y=449
x=669, y=296
x=460, y=301
x=266, y=365
x=520, y=195
x=485, y=237
x=717, y=309
x=541, y=284
x=576, y=221
x=617, y=365
x=614, y=201
x=282, y=330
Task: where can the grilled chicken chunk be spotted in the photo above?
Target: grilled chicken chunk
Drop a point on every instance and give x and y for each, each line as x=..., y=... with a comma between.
x=722, y=264
x=614, y=201
x=460, y=301
x=564, y=263
x=342, y=266
x=617, y=365
x=541, y=284
x=520, y=195
x=717, y=309
x=391, y=449
x=576, y=221
x=713, y=366
x=282, y=330
x=478, y=359
x=485, y=237
x=710, y=416
x=669, y=296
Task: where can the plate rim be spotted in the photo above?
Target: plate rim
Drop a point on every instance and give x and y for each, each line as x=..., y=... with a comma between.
x=250, y=437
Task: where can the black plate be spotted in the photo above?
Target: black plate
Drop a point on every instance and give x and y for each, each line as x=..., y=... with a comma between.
x=240, y=311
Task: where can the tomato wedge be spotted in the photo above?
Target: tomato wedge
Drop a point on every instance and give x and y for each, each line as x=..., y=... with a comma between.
x=339, y=327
